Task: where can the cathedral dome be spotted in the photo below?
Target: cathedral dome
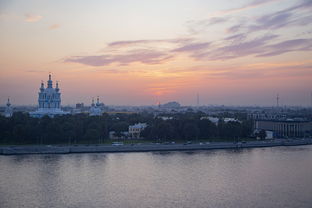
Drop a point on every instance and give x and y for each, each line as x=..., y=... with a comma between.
x=49, y=100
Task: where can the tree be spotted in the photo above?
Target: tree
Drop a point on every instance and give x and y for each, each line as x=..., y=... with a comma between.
x=68, y=130
x=262, y=134
x=190, y=131
x=207, y=129
x=91, y=135
x=246, y=128
x=165, y=130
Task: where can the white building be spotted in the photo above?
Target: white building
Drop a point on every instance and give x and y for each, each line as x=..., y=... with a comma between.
x=8, y=112
x=49, y=100
x=96, y=109
x=212, y=119
x=136, y=129
x=215, y=120
x=165, y=118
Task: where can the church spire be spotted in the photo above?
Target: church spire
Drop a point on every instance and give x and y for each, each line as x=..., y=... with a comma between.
x=50, y=81
x=8, y=103
x=57, y=87
x=42, y=86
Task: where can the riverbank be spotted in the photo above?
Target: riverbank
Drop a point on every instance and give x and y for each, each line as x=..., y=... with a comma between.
x=56, y=149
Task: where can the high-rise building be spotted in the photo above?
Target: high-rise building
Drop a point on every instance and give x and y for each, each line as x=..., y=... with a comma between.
x=49, y=100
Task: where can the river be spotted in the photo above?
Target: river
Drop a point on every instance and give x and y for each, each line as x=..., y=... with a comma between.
x=259, y=177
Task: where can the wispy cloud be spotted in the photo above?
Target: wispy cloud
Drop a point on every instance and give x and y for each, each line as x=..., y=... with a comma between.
x=235, y=28
x=237, y=37
x=224, y=16
x=142, y=56
x=287, y=46
x=251, y=5
x=259, y=47
x=197, y=26
x=235, y=50
x=291, y=16
x=32, y=18
x=255, y=71
x=272, y=21
x=235, y=46
x=253, y=37
x=191, y=47
x=54, y=26
x=138, y=42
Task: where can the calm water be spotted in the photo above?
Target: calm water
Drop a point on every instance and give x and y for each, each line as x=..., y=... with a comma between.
x=267, y=177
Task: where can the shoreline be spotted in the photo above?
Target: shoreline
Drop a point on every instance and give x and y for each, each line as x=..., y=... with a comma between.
x=69, y=149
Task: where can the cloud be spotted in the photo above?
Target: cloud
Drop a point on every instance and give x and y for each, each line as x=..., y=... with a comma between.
x=272, y=21
x=303, y=5
x=216, y=20
x=237, y=37
x=142, y=56
x=192, y=47
x=201, y=25
x=255, y=71
x=235, y=28
x=253, y=4
x=235, y=50
x=288, y=46
x=142, y=51
x=224, y=16
x=54, y=26
x=138, y=42
x=277, y=20
x=235, y=46
x=32, y=18
x=247, y=40
x=259, y=47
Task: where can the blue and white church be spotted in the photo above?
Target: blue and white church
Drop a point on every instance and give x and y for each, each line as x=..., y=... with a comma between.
x=49, y=100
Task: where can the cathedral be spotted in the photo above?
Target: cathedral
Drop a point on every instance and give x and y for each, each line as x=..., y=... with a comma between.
x=49, y=100
x=96, y=109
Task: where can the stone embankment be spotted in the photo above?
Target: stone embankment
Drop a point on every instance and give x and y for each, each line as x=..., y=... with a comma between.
x=57, y=149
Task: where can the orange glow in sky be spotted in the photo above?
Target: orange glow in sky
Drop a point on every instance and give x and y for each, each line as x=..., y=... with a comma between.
x=137, y=52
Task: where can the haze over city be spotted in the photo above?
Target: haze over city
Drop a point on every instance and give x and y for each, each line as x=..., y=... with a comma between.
x=141, y=52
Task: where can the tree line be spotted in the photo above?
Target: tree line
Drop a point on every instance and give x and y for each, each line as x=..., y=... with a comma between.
x=82, y=128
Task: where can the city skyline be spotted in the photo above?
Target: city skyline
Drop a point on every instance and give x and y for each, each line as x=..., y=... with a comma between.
x=142, y=52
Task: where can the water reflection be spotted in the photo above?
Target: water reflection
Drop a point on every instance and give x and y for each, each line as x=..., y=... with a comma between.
x=264, y=177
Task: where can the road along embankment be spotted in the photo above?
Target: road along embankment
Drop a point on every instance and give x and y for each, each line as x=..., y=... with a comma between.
x=57, y=149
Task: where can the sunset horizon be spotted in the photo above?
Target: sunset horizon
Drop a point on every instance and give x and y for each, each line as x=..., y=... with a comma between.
x=241, y=53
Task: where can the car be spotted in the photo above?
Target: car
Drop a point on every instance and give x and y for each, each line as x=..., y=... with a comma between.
x=188, y=142
x=117, y=143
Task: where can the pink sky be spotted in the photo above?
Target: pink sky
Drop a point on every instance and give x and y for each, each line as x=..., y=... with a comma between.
x=137, y=52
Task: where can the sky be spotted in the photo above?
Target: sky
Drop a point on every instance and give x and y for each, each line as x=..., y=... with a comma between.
x=141, y=52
